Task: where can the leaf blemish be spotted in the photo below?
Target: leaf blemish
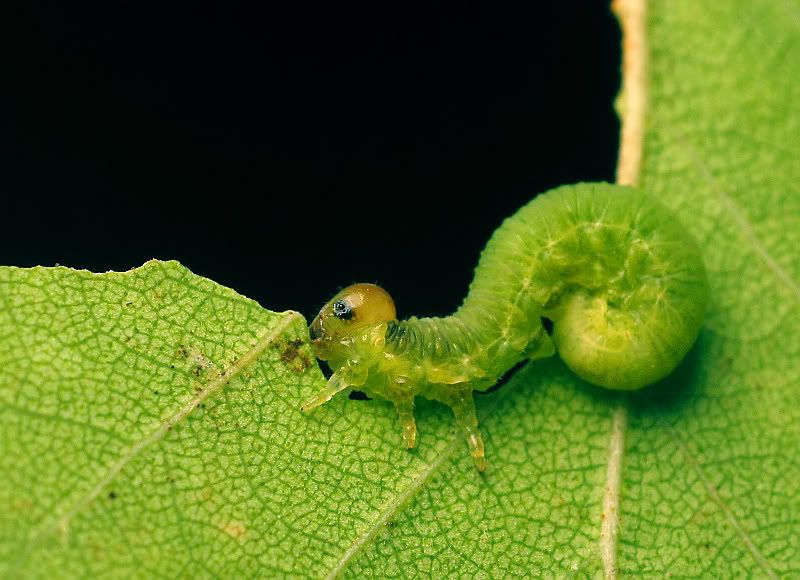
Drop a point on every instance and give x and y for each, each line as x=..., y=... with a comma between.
x=294, y=355
x=200, y=363
x=235, y=530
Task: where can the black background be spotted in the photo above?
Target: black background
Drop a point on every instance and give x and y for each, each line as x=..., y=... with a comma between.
x=288, y=150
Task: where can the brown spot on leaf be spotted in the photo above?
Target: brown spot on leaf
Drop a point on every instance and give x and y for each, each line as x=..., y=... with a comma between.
x=235, y=529
x=295, y=356
x=289, y=353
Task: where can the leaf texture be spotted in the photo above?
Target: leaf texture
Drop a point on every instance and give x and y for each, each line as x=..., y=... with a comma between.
x=150, y=423
x=712, y=481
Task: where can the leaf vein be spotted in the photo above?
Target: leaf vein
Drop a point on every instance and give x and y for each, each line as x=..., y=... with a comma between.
x=715, y=497
x=61, y=522
x=392, y=508
x=739, y=217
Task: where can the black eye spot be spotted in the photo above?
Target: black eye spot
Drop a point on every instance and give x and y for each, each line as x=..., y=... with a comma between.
x=342, y=310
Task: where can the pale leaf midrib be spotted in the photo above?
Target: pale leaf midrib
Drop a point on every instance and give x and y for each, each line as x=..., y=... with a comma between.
x=631, y=15
x=609, y=529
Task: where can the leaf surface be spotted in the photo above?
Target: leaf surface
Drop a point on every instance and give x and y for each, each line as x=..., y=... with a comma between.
x=712, y=480
x=150, y=423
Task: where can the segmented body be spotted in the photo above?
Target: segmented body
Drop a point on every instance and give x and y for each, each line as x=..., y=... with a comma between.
x=620, y=278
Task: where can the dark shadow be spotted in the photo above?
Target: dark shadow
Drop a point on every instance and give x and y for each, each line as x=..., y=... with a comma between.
x=358, y=396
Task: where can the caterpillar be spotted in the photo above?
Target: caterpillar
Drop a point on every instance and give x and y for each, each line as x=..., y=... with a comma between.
x=620, y=278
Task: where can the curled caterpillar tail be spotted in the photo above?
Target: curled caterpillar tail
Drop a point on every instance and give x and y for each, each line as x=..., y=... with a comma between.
x=619, y=276
x=640, y=305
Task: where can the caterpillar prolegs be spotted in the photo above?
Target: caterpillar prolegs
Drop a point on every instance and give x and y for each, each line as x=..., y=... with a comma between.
x=619, y=276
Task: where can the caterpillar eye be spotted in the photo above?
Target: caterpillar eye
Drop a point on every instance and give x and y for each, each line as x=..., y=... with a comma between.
x=358, y=305
x=342, y=309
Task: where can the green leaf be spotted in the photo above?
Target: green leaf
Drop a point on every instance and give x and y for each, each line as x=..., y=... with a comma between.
x=150, y=423
x=711, y=480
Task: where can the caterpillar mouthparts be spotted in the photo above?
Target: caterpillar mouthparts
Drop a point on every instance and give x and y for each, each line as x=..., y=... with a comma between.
x=621, y=279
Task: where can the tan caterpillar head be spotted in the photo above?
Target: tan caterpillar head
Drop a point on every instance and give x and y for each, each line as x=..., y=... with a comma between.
x=348, y=317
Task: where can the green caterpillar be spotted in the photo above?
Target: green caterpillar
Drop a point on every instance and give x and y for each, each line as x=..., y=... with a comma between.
x=619, y=276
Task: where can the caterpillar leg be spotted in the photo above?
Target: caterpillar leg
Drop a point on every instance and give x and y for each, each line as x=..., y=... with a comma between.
x=405, y=410
x=335, y=384
x=463, y=407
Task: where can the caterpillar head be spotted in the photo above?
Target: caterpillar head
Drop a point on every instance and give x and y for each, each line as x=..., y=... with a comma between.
x=356, y=314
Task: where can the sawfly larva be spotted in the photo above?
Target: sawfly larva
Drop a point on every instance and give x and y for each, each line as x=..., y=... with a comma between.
x=617, y=274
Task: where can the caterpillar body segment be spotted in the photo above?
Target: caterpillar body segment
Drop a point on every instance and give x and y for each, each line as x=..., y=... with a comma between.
x=621, y=279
